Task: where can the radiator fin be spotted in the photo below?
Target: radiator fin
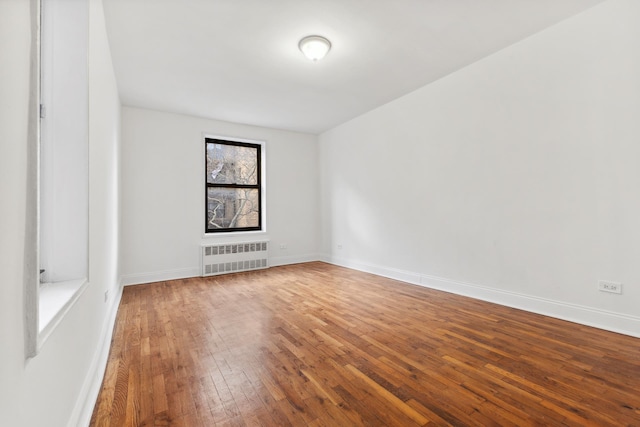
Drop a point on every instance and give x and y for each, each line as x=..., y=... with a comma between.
x=236, y=257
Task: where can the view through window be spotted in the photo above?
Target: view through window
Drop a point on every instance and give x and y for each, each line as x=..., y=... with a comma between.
x=233, y=186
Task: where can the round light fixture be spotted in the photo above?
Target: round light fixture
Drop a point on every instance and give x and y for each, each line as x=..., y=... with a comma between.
x=314, y=47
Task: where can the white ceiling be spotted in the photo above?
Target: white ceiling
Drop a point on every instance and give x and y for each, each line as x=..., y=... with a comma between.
x=238, y=60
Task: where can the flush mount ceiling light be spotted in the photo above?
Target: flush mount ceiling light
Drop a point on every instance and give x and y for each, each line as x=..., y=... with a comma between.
x=314, y=47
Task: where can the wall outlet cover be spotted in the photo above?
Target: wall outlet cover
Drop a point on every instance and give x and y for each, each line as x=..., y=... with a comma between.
x=608, y=286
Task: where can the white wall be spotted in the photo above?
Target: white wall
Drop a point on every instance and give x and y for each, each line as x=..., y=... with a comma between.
x=15, y=39
x=515, y=179
x=50, y=389
x=163, y=193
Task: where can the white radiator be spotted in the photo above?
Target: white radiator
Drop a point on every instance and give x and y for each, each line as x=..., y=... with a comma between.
x=234, y=257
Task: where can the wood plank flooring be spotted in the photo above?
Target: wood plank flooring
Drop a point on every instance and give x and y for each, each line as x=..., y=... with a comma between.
x=318, y=345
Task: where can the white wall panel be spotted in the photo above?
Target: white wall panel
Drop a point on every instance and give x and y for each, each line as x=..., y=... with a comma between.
x=163, y=193
x=518, y=173
x=56, y=387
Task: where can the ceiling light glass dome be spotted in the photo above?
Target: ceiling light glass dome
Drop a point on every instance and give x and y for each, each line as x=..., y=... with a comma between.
x=314, y=47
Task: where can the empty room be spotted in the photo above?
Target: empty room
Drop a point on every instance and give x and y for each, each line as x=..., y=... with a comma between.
x=320, y=213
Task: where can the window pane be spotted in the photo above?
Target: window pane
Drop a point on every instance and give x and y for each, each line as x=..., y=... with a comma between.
x=232, y=164
x=232, y=208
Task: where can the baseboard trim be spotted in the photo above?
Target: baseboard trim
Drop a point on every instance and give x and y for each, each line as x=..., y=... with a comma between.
x=292, y=259
x=183, y=273
x=588, y=316
x=82, y=412
x=159, y=276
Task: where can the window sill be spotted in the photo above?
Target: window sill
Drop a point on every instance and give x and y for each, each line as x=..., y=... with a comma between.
x=233, y=236
x=55, y=300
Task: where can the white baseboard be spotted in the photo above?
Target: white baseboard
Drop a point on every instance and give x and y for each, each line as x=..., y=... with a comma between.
x=292, y=259
x=183, y=273
x=159, y=276
x=589, y=316
x=83, y=410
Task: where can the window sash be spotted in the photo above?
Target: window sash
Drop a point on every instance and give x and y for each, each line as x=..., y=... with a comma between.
x=257, y=186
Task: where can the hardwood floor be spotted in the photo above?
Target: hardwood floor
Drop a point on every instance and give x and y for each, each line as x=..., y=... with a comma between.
x=319, y=345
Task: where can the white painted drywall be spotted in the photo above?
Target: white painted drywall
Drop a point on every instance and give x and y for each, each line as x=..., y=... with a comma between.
x=163, y=193
x=517, y=176
x=50, y=389
x=15, y=40
x=104, y=158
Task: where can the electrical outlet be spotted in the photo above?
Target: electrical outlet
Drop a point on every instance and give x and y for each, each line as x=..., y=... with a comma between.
x=106, y=296
x=283, y=246
x=607, y=286
x=339, y=245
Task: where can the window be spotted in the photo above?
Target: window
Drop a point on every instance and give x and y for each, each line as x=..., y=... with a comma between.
x=233, y=190
x=60, y=167
x=64, y=141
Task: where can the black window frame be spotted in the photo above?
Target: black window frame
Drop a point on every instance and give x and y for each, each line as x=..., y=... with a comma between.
x=257, y=186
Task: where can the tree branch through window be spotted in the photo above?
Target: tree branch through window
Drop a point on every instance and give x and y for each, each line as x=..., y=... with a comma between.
x=233, y=187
